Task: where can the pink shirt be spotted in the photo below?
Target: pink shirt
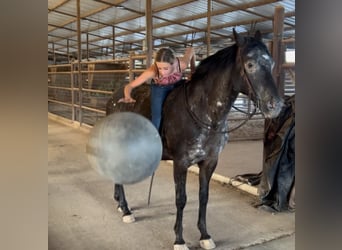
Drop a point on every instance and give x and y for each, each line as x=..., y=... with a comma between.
x=170, y=79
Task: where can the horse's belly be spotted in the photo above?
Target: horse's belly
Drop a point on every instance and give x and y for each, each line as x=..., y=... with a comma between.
x=200, y=148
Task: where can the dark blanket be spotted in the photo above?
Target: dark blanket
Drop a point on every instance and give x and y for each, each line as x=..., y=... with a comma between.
x=277, y=184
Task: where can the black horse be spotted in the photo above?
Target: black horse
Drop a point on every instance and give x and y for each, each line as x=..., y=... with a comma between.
x=194, y=125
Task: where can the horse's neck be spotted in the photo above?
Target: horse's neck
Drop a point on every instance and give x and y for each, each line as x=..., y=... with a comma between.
x=213, y=100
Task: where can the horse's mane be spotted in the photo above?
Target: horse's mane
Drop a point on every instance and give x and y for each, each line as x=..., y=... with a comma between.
x=216, y=62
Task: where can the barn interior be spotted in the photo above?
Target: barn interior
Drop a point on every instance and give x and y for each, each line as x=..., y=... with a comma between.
x=96, y=47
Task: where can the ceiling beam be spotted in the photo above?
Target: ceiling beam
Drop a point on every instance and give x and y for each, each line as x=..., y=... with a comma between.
x=157, y=14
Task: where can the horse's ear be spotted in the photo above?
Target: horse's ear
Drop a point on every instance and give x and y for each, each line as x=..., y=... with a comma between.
x=257, y=35
x=238, y=39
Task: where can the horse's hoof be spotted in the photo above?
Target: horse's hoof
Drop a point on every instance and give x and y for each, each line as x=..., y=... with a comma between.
x=207, y=244
x=128, y=218
x=120, y=209
x=180, y=247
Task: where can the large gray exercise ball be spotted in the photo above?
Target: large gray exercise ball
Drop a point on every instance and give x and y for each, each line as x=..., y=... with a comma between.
x=124, y=147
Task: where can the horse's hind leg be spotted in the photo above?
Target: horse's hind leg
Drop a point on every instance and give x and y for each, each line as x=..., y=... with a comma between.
x=119, y=196
x=179, y=175
x=206, y=170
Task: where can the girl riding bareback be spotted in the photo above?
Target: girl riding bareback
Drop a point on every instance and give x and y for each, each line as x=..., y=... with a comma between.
x=165, y=72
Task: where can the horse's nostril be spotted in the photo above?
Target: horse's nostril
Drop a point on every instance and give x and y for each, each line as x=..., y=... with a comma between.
x=270, y=105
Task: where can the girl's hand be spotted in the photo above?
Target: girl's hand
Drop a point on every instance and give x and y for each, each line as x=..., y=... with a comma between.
x=127, y=95
x=127, y=100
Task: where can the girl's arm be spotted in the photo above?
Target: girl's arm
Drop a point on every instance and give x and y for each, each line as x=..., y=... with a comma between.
x=185, y=60
x=145, y=76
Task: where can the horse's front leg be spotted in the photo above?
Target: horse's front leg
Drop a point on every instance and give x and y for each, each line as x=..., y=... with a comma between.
x=179, y=175
x=206, y=170
x=119, y=196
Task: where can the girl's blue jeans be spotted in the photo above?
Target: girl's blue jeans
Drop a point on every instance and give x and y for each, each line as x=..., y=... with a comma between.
x=158, y=95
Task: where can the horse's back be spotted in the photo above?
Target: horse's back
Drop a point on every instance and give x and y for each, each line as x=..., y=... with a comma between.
x=142, y=105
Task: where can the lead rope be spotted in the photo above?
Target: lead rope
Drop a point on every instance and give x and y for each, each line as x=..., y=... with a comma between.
x=150, y=190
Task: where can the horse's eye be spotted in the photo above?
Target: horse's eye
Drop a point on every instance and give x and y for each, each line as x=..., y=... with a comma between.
x=249, y=65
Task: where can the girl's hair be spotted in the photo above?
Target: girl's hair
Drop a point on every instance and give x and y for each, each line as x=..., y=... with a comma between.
x=165, y=55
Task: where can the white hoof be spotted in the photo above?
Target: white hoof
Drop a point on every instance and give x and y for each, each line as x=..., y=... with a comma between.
x=180, y=247
x=207, y=244
x=128, y=218
x=120, y=210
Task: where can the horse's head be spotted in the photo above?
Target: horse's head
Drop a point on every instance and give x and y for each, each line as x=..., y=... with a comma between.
x=256, y=65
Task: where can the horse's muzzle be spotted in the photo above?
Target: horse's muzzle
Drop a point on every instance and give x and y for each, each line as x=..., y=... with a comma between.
x=272, y=108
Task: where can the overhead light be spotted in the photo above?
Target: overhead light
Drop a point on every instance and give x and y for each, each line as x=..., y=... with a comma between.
x=120, y=7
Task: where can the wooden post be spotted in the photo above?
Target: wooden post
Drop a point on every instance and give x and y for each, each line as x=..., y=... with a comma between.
x=54, y=53
x=88, y=46
x=149, y=30
x=113, y=47
x=79, y=52
x=131, y=66
x=72, y=91
x=278, y=52
x=208, y=27
x=68, y=54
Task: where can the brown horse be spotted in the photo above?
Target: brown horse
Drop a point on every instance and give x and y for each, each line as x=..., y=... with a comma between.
x=194, y=126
